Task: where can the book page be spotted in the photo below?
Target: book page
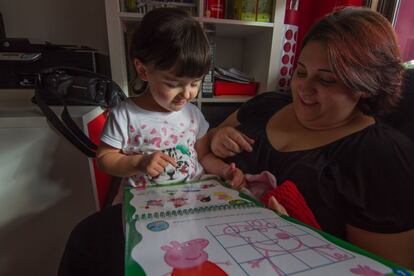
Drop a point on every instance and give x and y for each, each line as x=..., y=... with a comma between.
x=246, y=241
x=210, y=229
x=209, y=192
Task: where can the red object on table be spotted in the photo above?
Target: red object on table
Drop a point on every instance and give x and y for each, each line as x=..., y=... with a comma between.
x=234, y=88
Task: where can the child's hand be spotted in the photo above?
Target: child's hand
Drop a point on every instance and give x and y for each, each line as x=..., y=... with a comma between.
x=276, y=206
x=154, y=164
x=234, y=176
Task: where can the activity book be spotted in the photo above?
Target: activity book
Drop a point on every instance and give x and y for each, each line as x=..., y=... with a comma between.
x=207, y=228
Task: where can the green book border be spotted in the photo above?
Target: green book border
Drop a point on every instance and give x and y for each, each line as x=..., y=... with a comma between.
x=133, y=237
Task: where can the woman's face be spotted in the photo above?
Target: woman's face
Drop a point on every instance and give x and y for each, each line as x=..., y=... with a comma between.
x=320, y=100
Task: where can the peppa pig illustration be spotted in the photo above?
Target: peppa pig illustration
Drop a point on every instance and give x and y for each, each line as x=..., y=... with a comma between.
x=189, y=258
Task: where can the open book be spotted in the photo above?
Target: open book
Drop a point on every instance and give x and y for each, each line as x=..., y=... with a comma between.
x=205, y=228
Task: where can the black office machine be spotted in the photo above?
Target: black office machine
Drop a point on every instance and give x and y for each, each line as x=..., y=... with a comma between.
x=21, y=59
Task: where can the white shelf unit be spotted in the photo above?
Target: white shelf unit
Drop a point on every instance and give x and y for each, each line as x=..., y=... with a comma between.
x=252, y=47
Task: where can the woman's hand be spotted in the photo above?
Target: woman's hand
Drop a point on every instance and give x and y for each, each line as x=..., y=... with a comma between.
x=228, y=141
x=276, y=206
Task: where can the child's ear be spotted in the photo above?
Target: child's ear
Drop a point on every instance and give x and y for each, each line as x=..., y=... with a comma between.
x=140, y=69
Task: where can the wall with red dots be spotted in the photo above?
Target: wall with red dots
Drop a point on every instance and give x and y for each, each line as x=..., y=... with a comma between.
x=300, y=15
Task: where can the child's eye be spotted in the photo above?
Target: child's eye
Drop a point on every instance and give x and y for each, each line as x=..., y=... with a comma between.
x=171, y=85
x=195, y=84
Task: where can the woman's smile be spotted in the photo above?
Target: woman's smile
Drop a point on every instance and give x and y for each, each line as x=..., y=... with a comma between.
x=307, y=101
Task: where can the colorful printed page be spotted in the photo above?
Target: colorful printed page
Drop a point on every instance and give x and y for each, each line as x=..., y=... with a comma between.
x=238, y=239
x=183, y=197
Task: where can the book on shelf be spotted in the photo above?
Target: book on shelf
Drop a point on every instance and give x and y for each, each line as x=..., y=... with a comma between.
x=207, y=228
x=245, y=10
x=232, y=75
x=264, y=10
x=251, y=10
x=207, y=87
x=144, y=6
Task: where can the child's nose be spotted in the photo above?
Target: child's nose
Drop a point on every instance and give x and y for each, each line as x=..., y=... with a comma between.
x=187, y=92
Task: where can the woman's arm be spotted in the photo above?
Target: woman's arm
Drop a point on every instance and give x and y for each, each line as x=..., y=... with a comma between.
x=227, y=141
x=231, y=120
x=216, y=166
x=112, y=161
x=398, y=247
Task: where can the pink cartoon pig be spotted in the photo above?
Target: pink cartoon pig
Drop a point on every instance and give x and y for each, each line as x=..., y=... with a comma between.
x=189, y=258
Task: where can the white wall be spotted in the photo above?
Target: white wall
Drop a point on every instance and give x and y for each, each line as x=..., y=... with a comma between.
x=77, y=22
x=45, y=186
x=45, y=190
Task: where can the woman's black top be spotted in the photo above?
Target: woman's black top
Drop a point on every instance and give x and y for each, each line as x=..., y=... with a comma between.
x=365, y=179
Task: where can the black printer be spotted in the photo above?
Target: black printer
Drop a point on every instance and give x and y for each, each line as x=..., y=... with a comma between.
x=21, y=59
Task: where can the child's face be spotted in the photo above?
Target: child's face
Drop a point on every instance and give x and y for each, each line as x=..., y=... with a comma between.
x=169, y=92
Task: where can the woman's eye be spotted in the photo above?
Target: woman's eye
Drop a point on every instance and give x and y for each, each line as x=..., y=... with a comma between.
x=300, y=74
x=327, y=81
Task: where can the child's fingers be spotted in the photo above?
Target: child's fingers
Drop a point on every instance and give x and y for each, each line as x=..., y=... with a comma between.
x=155, y=170
x=243, y=182
x=275, y=205
x=238, y=181
x=169, y=159
x=238, y=185
x=232, y=167
x=228, y=172
x=162, y=163
x=234, y=183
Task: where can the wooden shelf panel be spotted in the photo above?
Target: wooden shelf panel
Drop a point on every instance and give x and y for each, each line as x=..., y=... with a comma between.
x=130, y=16
x=234, y=22
x=225, y=99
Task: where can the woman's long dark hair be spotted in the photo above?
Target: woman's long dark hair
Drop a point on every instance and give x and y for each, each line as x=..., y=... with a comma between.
x=364, y=54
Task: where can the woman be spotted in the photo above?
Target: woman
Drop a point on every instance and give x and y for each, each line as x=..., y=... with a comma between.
x=354, y=173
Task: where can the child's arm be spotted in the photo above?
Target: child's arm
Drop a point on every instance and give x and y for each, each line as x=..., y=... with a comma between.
x=214, y=165
x=114, y=162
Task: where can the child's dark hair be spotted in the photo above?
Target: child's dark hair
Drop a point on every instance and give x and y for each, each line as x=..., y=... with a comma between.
x=168, y=37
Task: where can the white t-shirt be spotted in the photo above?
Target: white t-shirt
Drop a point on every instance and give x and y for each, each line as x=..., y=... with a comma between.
x=135, y=130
